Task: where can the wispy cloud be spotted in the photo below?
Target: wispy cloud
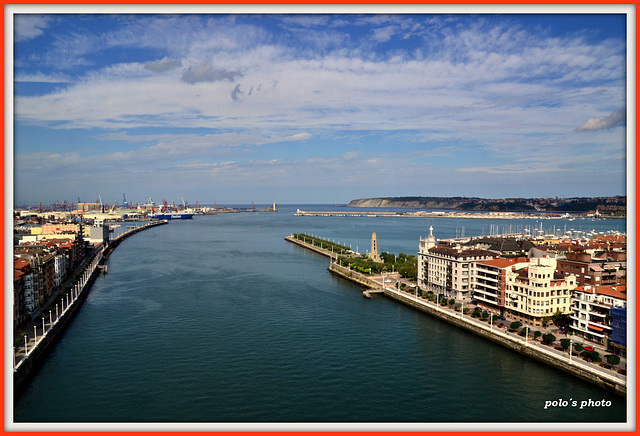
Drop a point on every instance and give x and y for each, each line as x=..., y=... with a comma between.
x=28, y=26
x=164, y=64
x=615, y=119
x=474, y=95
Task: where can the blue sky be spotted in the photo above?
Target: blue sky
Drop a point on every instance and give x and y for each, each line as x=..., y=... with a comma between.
x=318, y=107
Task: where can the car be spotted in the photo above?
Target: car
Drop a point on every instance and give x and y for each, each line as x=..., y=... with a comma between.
x=588, y=348
x=388, y=281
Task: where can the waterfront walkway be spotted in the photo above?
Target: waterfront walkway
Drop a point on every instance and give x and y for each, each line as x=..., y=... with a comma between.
x=498, y=332
x=45, y=319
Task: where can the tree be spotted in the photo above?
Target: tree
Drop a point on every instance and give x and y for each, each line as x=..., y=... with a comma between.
x=514, y=325
x=578, y=347
x=613, y=360
x=537, y=334
x=485, y=315
x=548, y=338
x=452, y=302
x=565, y=343
x=594, y=356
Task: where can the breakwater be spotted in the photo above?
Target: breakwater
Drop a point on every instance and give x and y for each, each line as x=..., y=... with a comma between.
x=612, y=382
x=29, y=357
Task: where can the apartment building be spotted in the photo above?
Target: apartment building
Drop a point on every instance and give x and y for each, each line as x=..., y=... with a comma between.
x=605, y=268
x=494, y=279
x=594, y=312
x=448, y=269
x=538, y=291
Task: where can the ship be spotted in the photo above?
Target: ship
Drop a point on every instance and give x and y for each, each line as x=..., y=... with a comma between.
x=171, y=215
x=165, y=214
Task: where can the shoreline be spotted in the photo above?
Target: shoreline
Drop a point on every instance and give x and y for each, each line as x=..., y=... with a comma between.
x=39, y=347
x=609, y=381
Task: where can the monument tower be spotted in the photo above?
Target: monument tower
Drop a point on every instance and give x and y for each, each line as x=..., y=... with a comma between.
x=374, y=248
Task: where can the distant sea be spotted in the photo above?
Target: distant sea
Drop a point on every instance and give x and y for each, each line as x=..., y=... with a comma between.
x=219, y=321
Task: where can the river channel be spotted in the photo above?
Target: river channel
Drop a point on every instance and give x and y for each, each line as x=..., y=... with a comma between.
x=219, y=320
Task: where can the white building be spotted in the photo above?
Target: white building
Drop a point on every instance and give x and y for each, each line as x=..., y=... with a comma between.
x=448, y=270
x=538, y=291
x=591, y=317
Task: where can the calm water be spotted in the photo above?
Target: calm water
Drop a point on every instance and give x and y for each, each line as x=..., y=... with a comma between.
x=219, y=320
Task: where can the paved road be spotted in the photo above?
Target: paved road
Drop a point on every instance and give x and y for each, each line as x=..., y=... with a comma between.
x=390, y=281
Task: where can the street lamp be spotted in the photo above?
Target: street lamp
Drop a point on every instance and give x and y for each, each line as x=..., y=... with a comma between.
x=570, y=348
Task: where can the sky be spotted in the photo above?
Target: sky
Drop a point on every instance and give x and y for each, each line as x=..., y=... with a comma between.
x=317, y=107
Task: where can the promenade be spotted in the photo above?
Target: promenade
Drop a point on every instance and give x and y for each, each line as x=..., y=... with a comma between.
x=53, y=316
x=498, y=332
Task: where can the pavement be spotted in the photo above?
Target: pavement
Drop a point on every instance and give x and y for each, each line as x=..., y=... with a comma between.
x=390, y=280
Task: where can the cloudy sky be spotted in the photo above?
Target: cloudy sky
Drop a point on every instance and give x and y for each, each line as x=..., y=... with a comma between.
x=317, y=107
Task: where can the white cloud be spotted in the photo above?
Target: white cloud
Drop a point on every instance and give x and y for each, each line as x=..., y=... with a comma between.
x=27, y=26
x=615, y=119
x=164, y=64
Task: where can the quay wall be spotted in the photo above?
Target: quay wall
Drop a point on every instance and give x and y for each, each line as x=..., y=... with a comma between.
x=609, y=382
x=23, y=373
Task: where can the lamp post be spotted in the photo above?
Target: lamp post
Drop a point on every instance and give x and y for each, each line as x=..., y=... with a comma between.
x=43, y=326
x=570, y=348
x=35, y=334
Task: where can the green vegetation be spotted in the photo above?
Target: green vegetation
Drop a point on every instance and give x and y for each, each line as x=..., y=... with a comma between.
x=327, y=245
x=565, y=343
x=613, y=360
x=548, y=338
x=405, y=265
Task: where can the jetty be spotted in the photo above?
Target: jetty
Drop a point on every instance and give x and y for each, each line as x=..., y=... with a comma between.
x=564, y=361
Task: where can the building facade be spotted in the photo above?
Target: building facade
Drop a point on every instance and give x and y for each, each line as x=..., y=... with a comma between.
x=538, y=291
x=493, y=281
x=592, y=316
x=604, y=269
x=448, y=269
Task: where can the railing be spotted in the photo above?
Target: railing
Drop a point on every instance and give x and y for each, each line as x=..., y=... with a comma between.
x=31, y=344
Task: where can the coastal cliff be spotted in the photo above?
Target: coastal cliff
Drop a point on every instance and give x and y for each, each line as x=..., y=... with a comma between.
x=606, y=206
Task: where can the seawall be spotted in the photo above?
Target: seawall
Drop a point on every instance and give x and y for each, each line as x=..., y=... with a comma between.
x=611, y=382
x=25, y=369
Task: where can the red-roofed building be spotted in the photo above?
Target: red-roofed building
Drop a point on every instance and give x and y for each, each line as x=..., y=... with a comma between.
x=608, y=268
x=23, y=291
x=591, y=318
x=491, y=281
